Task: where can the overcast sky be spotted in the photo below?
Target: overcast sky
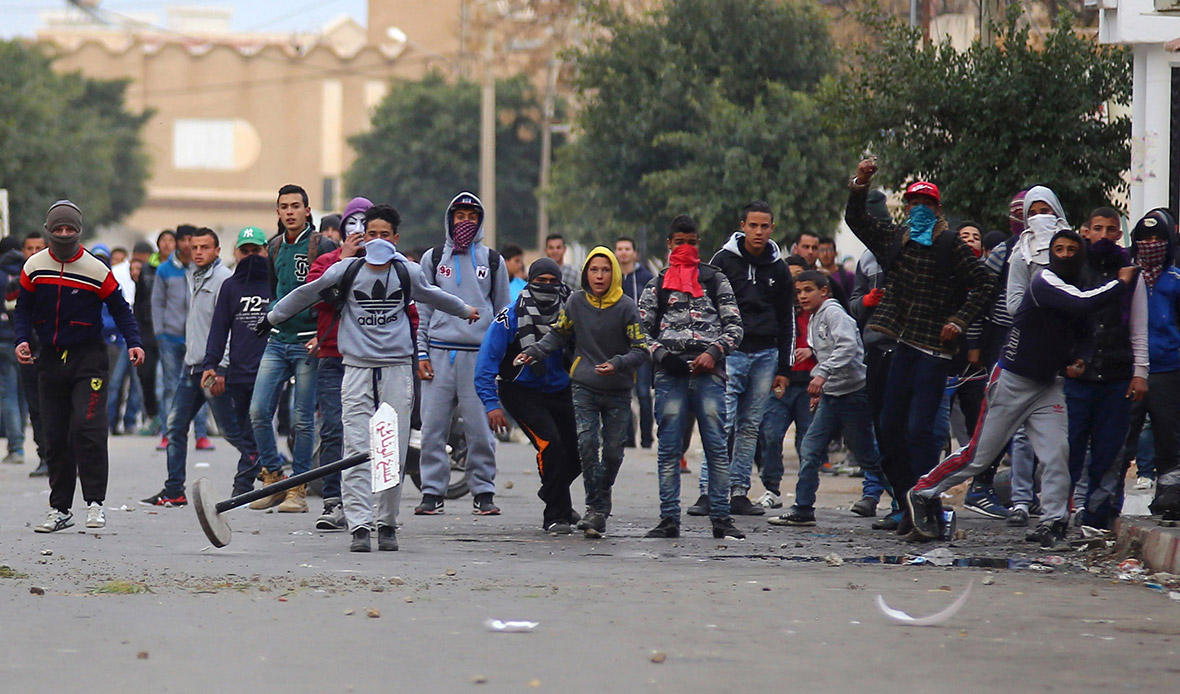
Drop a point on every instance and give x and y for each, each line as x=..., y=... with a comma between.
x=23, y=17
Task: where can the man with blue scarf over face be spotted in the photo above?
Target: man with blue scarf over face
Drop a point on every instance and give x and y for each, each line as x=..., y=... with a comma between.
x=927, y=275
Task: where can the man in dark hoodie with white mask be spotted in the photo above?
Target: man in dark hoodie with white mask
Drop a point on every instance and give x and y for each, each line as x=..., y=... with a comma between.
x=758, y=369
x=448, y=348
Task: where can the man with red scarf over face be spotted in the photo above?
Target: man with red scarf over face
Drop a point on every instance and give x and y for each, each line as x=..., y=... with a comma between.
x=692, y=321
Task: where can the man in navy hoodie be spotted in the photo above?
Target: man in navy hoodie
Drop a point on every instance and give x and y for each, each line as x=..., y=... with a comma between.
x=241, y=303
x=635, y=278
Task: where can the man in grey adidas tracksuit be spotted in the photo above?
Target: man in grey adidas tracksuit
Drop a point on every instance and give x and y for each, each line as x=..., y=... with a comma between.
x=378, y=354
x=448, y=348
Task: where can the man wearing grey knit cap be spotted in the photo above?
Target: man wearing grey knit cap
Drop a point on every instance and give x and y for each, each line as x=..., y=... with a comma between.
x=62, y=291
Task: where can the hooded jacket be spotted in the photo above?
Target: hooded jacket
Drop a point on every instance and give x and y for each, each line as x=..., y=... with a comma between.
x=839, y=352
x=241, y=303
x=1031, y=250
x=202, y=303
x=170, y=299
x=10, y=265
x=604, y=329
x=765, y=296
x=636, y=280
x=687, y=326
x=500, y=347
x=467, y=276
x=1163, y=300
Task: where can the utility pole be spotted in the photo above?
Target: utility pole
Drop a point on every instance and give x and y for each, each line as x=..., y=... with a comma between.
x=487, y=139
x=547, y=113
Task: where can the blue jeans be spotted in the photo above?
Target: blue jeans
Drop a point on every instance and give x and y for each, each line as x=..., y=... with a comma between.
x=794, y=407
x=281, y=361
x=120, y=369
x=329, y=378
x=850, y=414
x=747, y=391
x=171, y=366
x=913, y=395
x=678, y=400
x=1099, y=416
x=248, y=468
x=600, y=416
x=14, y=423
x=186, y=402
x=643, y=376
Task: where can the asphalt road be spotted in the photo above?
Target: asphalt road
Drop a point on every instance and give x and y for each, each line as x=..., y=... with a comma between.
x=285, y=608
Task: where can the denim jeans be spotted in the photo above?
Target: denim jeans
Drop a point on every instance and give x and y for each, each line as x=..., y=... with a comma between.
x=14, y=423
x=747, y=391
x=329, y=378
x=281, y=361
x=913, y=395
x=171, y=366
x=121, y=371
x=643, y=376
x=600, y=415
x=849, y=413
x=680, y=399
x=187, y=401
x=794, y=407
x=248, y=467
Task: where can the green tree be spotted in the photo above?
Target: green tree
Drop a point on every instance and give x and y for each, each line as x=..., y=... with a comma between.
x=991, y=120
x=66, y=136
x=697, y=108
x=423, y=148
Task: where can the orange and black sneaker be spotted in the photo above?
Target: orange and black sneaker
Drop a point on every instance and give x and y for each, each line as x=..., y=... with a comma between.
x=163, y=498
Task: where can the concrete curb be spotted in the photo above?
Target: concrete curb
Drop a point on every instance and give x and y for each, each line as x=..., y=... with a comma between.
x=1158, y=547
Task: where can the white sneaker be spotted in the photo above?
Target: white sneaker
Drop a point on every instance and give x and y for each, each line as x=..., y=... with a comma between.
x=770, y=500
x=1144, y=484
x=96, y=517
x=54, y=521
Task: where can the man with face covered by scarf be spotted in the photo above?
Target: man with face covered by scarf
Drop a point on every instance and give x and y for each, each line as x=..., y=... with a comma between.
x=538, y=395
x=1153, y=244
x=1047, y=335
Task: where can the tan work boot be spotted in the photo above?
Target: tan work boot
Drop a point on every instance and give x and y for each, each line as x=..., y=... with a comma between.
x=296, y=501
x=274, y=499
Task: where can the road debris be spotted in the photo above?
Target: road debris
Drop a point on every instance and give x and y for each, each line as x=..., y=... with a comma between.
x=510, y=627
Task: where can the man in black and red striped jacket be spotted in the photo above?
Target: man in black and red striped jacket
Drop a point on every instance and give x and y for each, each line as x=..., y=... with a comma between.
x=62, y=291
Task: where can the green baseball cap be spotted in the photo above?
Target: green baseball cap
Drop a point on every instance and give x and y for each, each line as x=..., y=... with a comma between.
x=252, y=235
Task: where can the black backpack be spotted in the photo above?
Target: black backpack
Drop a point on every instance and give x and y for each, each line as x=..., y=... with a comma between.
x=707, y=278
x=437, y=251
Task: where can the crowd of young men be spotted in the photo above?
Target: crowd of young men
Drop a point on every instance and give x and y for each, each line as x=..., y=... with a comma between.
x=1050, y=342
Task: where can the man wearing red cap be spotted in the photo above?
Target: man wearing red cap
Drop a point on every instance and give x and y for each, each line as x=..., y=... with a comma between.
x=927, y=272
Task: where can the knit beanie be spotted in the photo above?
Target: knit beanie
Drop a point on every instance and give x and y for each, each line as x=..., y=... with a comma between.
x=63, y=212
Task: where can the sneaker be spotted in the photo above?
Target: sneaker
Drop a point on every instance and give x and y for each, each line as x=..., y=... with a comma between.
x=667, y=528
x=983, y=501
x=1142, y=484
x=1035, y=511
x=163, y=444
x=296, y=501
x=333, y=516
x=15, y=458
x=925, y=514
x=770, y=499
x=889, y=522
x=273, y=500
x=829, y=469
x=1052, y=536
x=575, y=517
x=163, y=498
x=866, y=507
x=96, y=516
x=559, y=528
x=593, y=524
x=41, y=471
x=1018, y=517
x=431, y=506
x=360, y=540
x=724, y=527
x=204, y=444
x=684, y=466
x=795, y=518
x=54, y=521
x=386, y=538
x=740, y=505
x=482, y=505
x=701, y=507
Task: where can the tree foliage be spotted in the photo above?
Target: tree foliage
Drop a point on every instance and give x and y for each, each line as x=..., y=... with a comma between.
x=423, y=149
x=699, y=107
x=66, y=136
x=992, y=120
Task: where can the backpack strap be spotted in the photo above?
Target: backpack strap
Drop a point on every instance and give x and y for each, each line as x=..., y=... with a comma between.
x=313, y=248
x=338, y=295
x=707, y=277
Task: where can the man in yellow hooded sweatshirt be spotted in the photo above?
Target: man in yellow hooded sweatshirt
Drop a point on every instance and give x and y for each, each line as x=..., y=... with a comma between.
x=609, y=344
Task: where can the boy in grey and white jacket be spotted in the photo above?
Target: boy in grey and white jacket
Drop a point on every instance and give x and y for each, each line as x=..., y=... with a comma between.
x=837, y=390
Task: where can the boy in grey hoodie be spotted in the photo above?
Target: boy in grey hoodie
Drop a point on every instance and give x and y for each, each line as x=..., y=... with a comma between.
x=448, y=349
x=837, y=387
x=378, y=353
x=609, y=345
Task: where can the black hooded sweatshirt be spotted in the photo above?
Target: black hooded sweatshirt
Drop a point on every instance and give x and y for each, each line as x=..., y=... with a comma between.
x=765, y=296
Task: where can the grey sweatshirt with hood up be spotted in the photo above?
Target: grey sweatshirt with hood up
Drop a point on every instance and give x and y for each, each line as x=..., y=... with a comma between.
x=833, y=336
x=467, y=276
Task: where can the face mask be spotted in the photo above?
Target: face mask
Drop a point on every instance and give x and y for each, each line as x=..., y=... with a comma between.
x=1043, y=224
x=1068, y=269
x=355, y=224
x=379, y=251
x=921, y=223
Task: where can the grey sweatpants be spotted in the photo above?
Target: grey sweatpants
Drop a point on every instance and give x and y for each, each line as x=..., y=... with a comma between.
x=1014, y=400
x=454, y=382
x=360, y=395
